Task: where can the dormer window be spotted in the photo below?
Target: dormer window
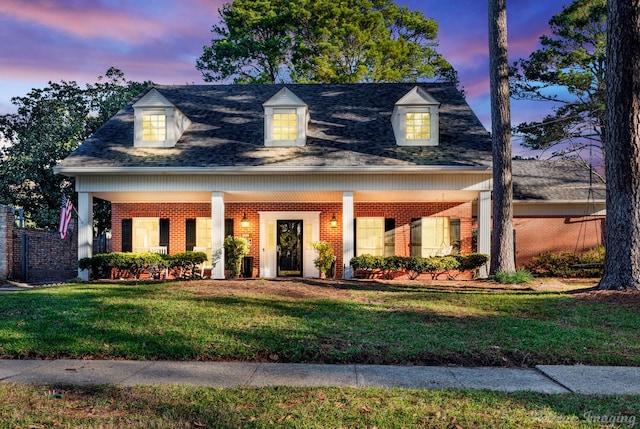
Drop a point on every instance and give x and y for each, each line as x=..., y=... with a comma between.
x=154, y=128
x=285, y=124
x=415, y=119
x=157, y=123
x=285, y=120
x=418, y=125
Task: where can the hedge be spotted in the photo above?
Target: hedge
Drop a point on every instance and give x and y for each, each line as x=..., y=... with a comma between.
x=391, y=266
x=565, y=264
x=133, y=265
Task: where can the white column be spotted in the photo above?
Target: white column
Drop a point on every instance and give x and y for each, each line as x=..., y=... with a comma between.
x=217, y=235
x=85, y=230
x=484, y=227
x=348, y=246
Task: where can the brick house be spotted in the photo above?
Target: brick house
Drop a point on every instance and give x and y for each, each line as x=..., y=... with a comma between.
x=382, y=169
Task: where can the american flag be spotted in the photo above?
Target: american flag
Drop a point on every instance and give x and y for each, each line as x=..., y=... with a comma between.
x=65, y=216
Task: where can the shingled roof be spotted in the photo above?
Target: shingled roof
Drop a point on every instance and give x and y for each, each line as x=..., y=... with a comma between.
x=554, y=180
x=349, y=128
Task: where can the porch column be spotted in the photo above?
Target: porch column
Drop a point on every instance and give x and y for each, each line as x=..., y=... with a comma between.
x=85, y=230
x=484, y=228
x=217, y=235
x=348, y=246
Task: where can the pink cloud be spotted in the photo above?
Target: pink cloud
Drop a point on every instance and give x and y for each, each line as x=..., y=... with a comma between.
x=93, y=21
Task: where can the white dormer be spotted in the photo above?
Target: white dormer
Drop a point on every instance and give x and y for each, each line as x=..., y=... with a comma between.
x=158, y=123
x=415, y=119
x=285, y=120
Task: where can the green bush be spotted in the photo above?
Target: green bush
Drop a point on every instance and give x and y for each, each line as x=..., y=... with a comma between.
x=437, y=265
x=414, y=266
x=515, y=278
x=472, y=261
x=325, y=259
x=235, y=249
x=133, y=265
x=567, y=264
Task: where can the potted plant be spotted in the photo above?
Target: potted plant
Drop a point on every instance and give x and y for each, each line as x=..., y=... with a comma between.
x=326, y=259
x=235, y=248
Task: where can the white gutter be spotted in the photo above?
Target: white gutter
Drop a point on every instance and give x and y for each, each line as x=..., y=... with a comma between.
x=71, y=171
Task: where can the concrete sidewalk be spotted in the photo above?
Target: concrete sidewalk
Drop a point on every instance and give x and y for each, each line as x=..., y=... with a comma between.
x=544, y=378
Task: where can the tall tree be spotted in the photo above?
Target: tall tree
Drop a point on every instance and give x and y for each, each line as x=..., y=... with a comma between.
x=502, y=257
x=622, y=144
x=569, y=71
x=49, y=124
x=269, y=41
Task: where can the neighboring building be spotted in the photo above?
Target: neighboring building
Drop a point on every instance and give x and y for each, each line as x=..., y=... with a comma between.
x=558, y=207
x=383, y=169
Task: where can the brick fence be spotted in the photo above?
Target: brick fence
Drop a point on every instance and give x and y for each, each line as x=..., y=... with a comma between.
x=36, y=256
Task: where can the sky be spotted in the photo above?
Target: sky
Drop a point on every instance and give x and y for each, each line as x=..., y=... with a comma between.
x=160, y=40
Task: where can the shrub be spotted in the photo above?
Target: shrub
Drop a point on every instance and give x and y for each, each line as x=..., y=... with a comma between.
x=183, y=265
x=414, y=266
x=472, y=261
x=515, y=278
x=437, y=265
x=235, y=248
x=325, y=260
x=567, y=264
x=126, y=265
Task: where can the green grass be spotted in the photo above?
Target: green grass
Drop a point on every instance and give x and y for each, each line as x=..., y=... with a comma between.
x=287, y=407
x=385, y=324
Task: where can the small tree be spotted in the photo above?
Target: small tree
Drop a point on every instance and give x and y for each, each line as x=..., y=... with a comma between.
x=235, y=248
x=325, y=258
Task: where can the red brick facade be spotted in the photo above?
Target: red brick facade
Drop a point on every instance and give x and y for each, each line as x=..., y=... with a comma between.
x=403, y=213
x=535, y=235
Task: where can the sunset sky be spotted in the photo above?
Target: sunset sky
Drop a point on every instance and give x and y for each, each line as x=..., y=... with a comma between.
x=159, y=40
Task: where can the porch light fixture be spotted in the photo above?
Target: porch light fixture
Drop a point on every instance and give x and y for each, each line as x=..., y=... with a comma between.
x=333, y=222
x=244, y=222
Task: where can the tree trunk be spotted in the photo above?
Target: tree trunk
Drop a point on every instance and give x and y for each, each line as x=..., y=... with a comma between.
x=622, y=146
x=502, y=257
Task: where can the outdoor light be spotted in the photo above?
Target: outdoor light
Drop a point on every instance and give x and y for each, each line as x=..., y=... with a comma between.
x=244, y=222
x=333, y=222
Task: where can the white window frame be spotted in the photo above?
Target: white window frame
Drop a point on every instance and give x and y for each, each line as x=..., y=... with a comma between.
x=416, y=101
x=151, y=237
x=283, y=102
x=439, y=228
x=361, y=248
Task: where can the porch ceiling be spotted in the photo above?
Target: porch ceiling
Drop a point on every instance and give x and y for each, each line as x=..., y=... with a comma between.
x=288, y=196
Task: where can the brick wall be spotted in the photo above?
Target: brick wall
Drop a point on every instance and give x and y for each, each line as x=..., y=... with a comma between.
x=535, y=235
x=402, y=212
x=6, y=242
x=49, y=258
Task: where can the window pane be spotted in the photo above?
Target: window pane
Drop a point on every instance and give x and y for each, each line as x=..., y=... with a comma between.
x=418, y=126
x=370, y=236
x=203, y=238
x=146, y=233
x=154, y=127
x=435, y=235
x=285, y=126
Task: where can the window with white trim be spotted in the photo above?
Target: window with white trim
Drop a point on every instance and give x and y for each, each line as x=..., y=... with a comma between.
x=415, y=119
x=370, y=236
x=285, y=120
x=146, y=233
x=435, y=235
x=285, y=125
x=418, y=125
x=154, y=127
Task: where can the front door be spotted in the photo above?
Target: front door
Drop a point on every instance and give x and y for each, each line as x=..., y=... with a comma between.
x=289, y=248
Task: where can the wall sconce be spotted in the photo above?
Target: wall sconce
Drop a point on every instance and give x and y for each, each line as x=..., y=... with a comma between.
x=244, y=222
x=333, y=222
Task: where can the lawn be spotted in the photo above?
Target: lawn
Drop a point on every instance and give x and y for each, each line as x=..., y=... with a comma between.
x=399, y=322
x=288, y=407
